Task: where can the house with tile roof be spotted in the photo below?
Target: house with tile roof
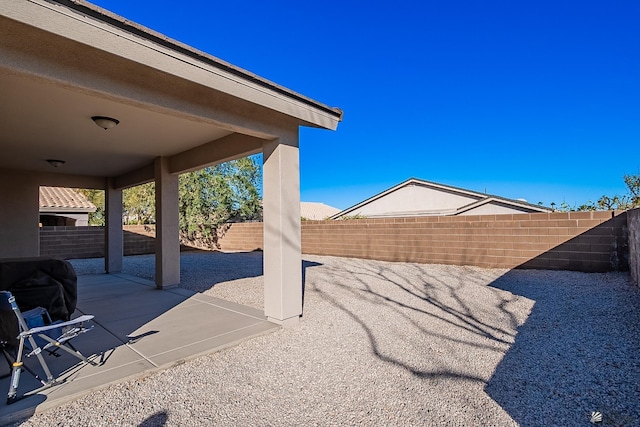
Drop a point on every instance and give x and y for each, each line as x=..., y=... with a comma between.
x=417, y=197
x=64, y=206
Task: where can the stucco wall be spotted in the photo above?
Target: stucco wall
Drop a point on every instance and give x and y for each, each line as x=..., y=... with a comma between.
x=414, y=198
x=18, y=216
x=633, y=223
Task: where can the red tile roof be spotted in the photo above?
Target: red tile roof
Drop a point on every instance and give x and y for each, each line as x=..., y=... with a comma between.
x=56, y=199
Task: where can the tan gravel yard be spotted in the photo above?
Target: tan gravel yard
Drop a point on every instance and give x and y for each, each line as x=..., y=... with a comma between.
x=396, y=344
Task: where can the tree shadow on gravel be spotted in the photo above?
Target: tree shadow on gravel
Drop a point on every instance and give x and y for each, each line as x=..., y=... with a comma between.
x=159, y=419
x=576, y=353
x=428, y=306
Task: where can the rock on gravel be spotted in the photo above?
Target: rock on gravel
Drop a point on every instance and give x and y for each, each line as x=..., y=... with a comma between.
x=395, y=344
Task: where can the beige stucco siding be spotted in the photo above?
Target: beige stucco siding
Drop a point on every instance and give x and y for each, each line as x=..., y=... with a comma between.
x=414, y=199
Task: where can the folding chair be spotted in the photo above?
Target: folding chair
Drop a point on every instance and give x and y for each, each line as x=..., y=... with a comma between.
x=34, y=339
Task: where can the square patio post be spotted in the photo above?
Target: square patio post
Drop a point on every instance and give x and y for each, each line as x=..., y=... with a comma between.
x=19, y=231
x=113, y=238
x=282, y=241
x=167, y=227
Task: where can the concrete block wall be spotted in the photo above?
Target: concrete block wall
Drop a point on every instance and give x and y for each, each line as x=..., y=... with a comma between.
x=139, y=239
x=88, y=242
x=633, y=222
x=72, y=242
x=582, y=241
x=246, y=236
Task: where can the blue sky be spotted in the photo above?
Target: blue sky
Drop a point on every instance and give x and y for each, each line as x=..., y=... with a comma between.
x=524, y=99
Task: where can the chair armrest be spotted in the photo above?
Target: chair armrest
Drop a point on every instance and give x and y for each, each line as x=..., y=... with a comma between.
x=42, y=329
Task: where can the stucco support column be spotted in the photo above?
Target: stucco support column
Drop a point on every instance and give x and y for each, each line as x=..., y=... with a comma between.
x=113, y=238
x=282, y=241
x=167, y=227
x=19, y=217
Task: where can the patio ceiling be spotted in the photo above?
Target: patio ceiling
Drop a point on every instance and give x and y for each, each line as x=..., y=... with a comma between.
x=40, y=120
x=63, y=62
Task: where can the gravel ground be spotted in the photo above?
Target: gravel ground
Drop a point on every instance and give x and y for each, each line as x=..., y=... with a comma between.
x=395, y=344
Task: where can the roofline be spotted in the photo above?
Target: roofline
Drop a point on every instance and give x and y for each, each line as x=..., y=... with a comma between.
x=120, y=22
x=482, y=197
x=49, y=209
x=512, y=202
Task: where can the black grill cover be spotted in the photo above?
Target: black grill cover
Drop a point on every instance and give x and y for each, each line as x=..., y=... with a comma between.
x=41, y=282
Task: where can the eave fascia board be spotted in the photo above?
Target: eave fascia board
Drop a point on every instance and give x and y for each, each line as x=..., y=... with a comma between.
x=48, y=209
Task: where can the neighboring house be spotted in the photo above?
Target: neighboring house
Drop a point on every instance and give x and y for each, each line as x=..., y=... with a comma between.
x=64, y=206
x=416, y=197
x=316, y=211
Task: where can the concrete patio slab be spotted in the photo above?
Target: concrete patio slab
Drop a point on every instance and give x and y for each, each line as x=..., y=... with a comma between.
x=137, y=329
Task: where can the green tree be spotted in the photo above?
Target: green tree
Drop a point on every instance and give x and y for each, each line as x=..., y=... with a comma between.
x=138, y=204
x=212, y=197
x=209, y=199
x=633, y=185
x=97, y=198
x=618, y=202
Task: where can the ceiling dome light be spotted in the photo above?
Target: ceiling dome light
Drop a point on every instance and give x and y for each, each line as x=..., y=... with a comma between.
x=55, y=163
x=105, y=122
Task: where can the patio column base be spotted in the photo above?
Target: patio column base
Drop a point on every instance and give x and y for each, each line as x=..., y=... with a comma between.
x=287, y=323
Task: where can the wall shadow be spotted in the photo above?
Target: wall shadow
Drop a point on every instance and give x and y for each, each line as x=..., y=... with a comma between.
x=604, y=247
x=576, y=353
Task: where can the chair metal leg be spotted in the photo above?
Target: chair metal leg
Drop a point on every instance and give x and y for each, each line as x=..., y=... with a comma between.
x=26, y=338
x=18, y=365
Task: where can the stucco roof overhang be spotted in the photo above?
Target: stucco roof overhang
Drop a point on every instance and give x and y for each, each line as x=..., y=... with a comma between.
x=63, y=61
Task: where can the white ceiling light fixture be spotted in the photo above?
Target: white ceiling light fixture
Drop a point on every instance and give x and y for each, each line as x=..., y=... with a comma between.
x=55, y=163
x=105, y=122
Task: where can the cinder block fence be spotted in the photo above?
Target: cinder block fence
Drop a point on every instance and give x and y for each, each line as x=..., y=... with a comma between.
x=88, y=242
x=582, y=241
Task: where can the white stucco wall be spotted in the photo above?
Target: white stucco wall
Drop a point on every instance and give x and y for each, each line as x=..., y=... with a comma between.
x=414, y=200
